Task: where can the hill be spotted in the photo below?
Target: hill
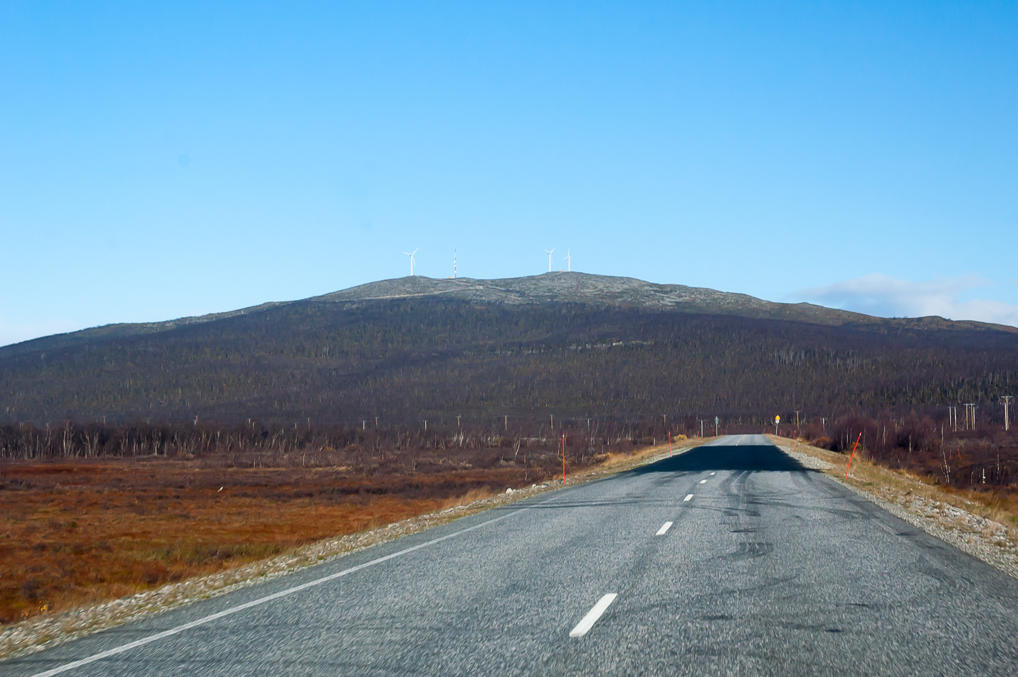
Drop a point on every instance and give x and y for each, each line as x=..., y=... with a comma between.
x=570, y=344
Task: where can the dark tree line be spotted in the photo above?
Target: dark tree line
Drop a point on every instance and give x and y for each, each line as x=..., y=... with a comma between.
x=406, y=361
x=285, y=443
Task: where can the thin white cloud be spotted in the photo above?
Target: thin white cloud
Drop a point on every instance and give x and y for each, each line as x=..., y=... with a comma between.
x=886, y=296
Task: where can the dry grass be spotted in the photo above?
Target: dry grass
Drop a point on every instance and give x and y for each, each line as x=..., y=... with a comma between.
x=999, y=504
x=616, y=462
x=77, y=533
x=74, y=533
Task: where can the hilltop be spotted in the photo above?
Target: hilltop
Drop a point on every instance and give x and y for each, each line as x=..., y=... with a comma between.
x=570, y=343
x=598, y=291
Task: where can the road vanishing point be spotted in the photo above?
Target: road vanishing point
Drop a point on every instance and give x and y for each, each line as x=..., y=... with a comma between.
x=730, y=558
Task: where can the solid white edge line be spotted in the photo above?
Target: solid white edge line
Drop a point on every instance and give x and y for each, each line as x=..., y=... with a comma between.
x=689, y=497
x=584, y=626
x=664, y=529
x=261, y=600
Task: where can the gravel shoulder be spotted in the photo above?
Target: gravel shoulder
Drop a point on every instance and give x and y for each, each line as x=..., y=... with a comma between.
x=950, y=518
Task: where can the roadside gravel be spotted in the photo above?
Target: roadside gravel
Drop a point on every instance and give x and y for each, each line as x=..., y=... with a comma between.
x=984, y=539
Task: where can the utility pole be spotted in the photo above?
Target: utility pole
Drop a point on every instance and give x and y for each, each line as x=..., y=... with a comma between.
x=1006, y=400
x=970, y=416
x=797, y=418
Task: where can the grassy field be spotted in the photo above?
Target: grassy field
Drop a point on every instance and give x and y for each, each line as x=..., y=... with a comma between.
x=73, y=533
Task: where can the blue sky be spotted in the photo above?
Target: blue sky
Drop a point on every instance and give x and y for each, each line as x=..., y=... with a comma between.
x=167, y=159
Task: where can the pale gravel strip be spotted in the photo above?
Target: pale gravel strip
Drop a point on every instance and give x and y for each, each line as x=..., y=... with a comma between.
x=43, y=632
x=978, y=536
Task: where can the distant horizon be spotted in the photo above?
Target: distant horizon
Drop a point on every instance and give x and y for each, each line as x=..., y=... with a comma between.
x=492, y=279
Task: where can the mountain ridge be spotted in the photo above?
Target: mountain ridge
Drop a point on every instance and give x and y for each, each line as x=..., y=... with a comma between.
x=567, y=344
x=555, y=287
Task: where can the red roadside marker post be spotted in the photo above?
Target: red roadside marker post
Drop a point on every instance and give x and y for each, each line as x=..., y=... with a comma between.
x=563, y=458
x=853, y=455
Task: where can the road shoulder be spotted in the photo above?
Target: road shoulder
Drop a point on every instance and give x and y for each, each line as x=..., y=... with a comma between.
x=952, y=519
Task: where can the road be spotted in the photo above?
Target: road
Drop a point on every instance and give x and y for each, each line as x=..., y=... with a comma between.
x=728, y=559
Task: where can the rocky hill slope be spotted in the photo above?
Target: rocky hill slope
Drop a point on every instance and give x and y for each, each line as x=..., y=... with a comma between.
x=567, y=343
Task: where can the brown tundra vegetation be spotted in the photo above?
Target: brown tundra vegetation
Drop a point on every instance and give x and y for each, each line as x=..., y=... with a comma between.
x=93, y=512
x=125, y=510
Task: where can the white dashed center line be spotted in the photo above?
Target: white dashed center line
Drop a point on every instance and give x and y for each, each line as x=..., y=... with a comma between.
x=713, y=474
x=664, y=529
x=584, y=626
x=689, y=497
x=703, y=481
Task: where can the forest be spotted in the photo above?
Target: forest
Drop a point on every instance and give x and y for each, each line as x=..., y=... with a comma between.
x=398, y=376
x=405, y=361
x=932, y=444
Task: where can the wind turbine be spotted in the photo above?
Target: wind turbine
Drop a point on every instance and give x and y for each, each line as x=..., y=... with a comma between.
x=411, y=255
x=569, y=261
x=549, y=252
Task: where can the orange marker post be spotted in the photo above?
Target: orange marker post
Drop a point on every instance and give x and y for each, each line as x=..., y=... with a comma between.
x=853, y=455
x=563, y=458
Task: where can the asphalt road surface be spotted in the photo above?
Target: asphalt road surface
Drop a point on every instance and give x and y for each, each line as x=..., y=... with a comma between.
x=728, y=559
